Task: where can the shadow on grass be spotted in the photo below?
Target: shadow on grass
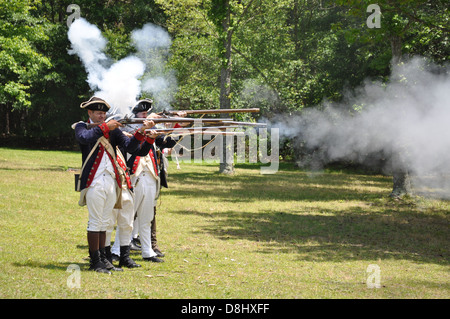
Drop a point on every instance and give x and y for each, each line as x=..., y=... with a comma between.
x=51, y=266
x=281, y=187
x=342, y=236
x=386, y=229
x=53, y=168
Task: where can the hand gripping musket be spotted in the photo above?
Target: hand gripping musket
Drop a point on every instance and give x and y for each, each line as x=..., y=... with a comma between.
x=209, y=111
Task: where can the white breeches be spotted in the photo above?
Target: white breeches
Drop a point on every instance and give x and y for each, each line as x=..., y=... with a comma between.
x=124, y=218
x=100, y=201
x=144, y=203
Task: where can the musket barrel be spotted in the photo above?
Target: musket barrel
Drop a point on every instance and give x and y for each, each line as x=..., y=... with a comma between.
x=172, y=120
x=221, y=130
x=213, y=111
x=220, y=121
x=200, y=128
x=218, y=111
x=243, y=123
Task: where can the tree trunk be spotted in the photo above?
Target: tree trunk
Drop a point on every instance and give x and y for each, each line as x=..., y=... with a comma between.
x=396, y=48
x=400, y=175
x=226, y=165
x=7, y=130
x=402, y=184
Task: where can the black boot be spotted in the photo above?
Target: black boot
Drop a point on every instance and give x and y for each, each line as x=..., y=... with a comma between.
x=153, y=237
x=153, y=259
x=125, y=259
x=106, y=258
x=110, y=256
x=96, y=264
x=134, y=245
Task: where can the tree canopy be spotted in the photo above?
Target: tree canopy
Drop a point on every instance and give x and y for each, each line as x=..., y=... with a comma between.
x=282, y=56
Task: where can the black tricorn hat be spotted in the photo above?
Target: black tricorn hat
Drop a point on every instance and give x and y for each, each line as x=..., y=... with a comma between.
x=95, y=104
x=144, y=105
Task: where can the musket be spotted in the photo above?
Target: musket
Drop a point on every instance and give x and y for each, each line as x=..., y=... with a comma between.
x=220, y=121
x=226, y=122
x=214, y=130
x=134, y=120
x=210, y=111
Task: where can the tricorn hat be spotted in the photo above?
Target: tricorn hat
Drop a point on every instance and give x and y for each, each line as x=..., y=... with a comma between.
x=95, y=104
x=144, y=105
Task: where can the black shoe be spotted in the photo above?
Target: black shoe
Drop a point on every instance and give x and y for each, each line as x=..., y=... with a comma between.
x=106, y=258
x=96, y=264
x=125, y=259
x=134, y=245
x=100, y=269
x=158, y=252
x=115, y=257
x=153, y=259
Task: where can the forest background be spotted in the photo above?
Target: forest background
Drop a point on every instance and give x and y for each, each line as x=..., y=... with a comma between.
x=282, y=56
x=307, y=235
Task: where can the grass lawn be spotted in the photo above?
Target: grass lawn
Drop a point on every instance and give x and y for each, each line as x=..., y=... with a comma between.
x=294, y=234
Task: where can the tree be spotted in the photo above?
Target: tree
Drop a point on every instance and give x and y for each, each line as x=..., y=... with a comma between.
x=404, y=25
x=194, y=53
x=53, y=98
x=21, y=63
x=221, y=15
x=214, y=23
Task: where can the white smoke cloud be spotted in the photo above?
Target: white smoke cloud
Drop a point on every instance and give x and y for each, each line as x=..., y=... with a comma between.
x=153, y=44
x=149, y=37
x=256, y=94
x=89, y=44
x=406, y=120
x=121, y=83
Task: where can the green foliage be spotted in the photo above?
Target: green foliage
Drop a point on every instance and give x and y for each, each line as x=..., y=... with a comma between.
x=421, y=25
x=21, y=63
x=194, y=54
x=286, y=54
x=218, y=12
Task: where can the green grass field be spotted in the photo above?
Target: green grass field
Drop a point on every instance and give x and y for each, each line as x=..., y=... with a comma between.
x=294, y=234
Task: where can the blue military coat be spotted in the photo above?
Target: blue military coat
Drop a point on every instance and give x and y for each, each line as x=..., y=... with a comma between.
x=87, y=138
x=161, y=142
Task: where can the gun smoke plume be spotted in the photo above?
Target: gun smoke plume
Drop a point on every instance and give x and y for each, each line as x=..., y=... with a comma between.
x=405, y=122
x=122, y=82
x=153, y=44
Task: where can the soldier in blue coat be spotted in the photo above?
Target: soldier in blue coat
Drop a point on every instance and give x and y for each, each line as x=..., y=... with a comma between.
x=148, y=176
x=102, y=176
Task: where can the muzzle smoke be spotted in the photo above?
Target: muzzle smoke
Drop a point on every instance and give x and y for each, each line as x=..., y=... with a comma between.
x=403, y=124
x=122, y=82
